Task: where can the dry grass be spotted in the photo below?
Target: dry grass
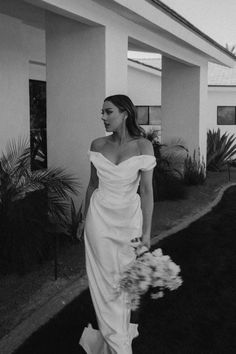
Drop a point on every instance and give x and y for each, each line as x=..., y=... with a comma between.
x=22, y=295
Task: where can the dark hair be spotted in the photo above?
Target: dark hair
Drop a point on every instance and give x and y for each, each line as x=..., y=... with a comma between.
x=124, y=104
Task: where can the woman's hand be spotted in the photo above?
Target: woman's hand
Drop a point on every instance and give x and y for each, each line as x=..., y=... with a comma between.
x=146, y=241
x=80, y=230
x=143, y=246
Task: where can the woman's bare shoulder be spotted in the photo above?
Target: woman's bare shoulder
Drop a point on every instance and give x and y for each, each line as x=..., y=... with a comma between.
x=145, y=146
x=98, y=143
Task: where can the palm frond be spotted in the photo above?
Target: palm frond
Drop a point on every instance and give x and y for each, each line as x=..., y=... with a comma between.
x=220, y=149
x=56, y=180
x=13, y=153
x=58, y=210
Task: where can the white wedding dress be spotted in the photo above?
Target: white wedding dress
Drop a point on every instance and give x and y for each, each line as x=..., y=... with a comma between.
x=114, y=218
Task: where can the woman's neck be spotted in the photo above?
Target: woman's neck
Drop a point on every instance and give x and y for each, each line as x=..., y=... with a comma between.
x=121, y=136
x=121, y=139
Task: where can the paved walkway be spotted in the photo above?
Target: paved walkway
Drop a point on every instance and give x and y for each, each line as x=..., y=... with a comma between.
x=16, y=337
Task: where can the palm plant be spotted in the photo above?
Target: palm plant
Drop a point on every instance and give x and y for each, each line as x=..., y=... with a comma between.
x=231, y=48
x=194, y=170
x=220, y=149
x=30, y=202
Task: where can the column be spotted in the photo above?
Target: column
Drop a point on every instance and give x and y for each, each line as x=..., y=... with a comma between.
x=184, y=104
x=75, y=55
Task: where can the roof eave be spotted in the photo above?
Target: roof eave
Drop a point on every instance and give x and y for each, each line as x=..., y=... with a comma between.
x=192, y=38
x=190, y=26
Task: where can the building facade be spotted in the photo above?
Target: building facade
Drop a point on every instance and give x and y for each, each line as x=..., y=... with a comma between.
x=79, y=47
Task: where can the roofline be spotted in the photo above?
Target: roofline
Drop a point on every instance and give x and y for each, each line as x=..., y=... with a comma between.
x=188, y=24
x=221, y=85
x=160, y=70
x=143, y=64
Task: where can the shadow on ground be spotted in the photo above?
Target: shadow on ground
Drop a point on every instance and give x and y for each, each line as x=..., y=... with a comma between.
x=197, y=318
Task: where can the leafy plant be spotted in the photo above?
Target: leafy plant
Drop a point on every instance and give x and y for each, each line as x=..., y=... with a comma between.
x=72, y=224
x=194, y=170
x=153, y=136
x=30, y=203
x=231, y=48
x=220, y=149
x=167, y=175
x=38, y=143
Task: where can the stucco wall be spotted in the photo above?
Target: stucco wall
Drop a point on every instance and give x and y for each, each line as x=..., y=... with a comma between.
x=14, y=101
x=75, y=92
x=144, y=88
x=22, y=57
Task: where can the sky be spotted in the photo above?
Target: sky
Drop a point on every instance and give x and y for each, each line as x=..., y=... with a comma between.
x=216, y=18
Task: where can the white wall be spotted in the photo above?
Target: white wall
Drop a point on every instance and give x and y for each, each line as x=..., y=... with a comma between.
x=116, y=48
x=14, y=87
x=22, y=57
x=144, y=88
x=217, y=96
x=36, y=51
x=75, y=92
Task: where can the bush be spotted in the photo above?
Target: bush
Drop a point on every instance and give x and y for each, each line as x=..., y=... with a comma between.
x=220, y=149
x=167, y=175
x=32, y=205
x=194, y=170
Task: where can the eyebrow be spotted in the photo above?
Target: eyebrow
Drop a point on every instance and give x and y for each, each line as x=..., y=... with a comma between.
x=106, y=109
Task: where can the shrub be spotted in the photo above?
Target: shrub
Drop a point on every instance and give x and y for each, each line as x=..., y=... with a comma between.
x=194, y=170
x=220, y=149
x=31, y=203
x=167, y=175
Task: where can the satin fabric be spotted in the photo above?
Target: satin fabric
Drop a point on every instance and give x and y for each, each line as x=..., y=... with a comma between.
x=114, y=218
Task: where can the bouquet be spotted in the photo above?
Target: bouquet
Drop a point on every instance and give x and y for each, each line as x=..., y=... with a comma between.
x=150, y=271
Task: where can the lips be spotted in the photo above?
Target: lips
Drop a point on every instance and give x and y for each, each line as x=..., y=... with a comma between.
x=106, y=125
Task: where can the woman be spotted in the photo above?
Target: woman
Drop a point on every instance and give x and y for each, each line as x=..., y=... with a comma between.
x=115, y=217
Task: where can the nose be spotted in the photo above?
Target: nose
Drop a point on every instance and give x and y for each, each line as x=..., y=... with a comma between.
x=103, y=117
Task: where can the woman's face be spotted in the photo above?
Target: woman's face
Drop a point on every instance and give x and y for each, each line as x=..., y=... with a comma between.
x=112, y=117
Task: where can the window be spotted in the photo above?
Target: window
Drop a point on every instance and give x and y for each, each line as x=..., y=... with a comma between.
x=38, y=133
x=149, y=115
x=226, y=115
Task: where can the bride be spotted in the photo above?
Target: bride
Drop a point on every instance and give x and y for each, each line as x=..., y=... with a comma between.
x=115, y=216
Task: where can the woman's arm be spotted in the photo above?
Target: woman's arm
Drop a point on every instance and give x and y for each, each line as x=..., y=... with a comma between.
x=146, y=194
x=93, y=184
x=93, y=181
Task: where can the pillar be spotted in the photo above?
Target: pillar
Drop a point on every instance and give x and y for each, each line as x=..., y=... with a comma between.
x=75, y=55
x=184, y=104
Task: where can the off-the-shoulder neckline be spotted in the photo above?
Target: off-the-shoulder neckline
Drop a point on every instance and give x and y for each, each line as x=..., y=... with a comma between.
x=129, y=158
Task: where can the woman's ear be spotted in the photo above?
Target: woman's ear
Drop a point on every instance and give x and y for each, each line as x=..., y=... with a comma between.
x=125, y=115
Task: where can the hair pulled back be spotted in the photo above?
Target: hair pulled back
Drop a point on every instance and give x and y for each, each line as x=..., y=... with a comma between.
x=124, y=104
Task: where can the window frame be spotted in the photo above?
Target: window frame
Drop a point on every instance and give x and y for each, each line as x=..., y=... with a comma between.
x=148, y=113
x=218, y=118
